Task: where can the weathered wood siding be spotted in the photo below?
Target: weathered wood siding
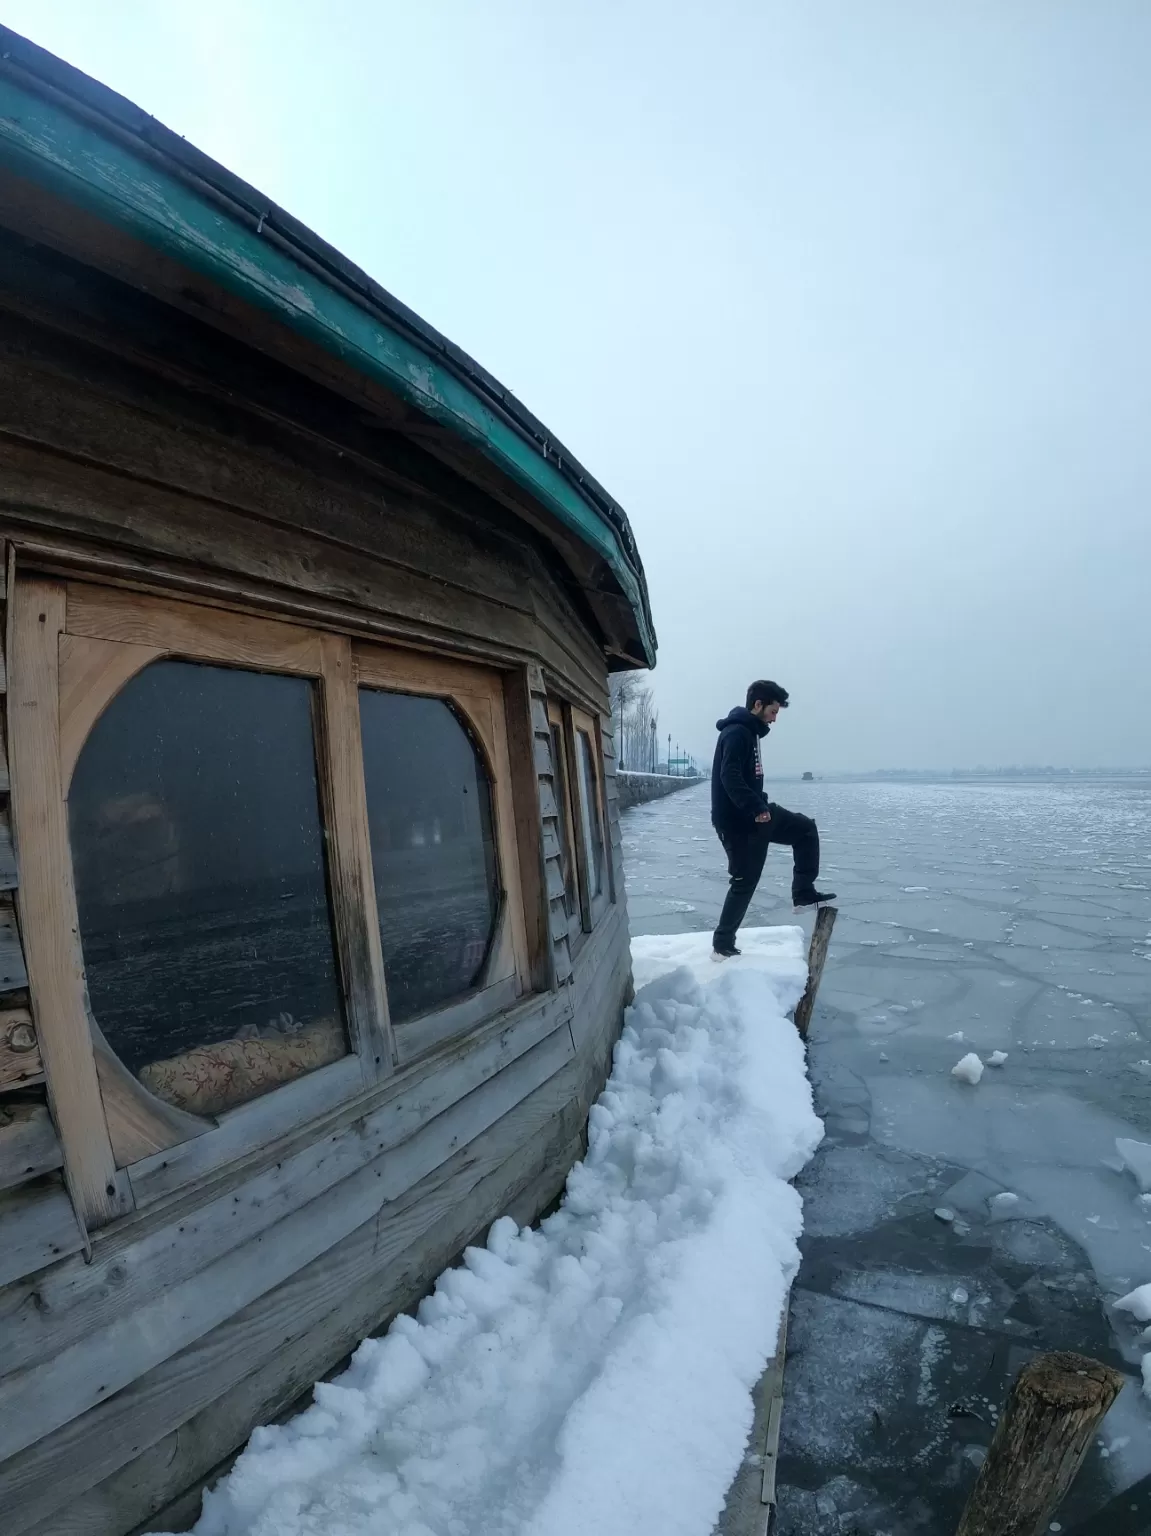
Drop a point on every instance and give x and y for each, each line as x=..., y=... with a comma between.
x=138, y=447
x=227, y=1309
x=289, y=499
x=38, y=1223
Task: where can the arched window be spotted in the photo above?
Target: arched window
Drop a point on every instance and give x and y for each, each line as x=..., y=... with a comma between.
x=198, y=853
x=254, y=856
x=433, y=842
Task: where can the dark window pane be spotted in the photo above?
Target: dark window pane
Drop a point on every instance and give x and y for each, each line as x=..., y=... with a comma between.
x=589, y=813
x=433, y=849
x=560, y=780
x=199, y=858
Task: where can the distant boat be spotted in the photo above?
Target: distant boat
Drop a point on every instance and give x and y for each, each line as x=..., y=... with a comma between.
x=808, y=778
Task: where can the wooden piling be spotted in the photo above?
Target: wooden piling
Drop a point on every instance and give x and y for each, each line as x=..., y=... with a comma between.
x=1051, y=1415
x=816, y=955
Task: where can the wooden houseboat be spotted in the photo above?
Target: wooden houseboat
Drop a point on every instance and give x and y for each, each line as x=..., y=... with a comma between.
x=313, y=947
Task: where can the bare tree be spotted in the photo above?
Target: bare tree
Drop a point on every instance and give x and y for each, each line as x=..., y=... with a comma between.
x=634, y=721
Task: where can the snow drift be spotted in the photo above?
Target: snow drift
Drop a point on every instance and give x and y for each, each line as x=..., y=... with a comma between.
x=594, y=1373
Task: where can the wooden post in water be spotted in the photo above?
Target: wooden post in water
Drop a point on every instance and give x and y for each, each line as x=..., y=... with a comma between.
x=1053, y=1411
x=816, y=955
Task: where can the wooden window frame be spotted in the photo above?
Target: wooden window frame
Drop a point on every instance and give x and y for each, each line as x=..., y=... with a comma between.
x=73, y=646
x=572, y=721
x=587, y=725
x=477, y=694
x=569, y=842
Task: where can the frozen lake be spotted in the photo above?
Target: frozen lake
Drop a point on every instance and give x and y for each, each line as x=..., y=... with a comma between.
x=1011, y=916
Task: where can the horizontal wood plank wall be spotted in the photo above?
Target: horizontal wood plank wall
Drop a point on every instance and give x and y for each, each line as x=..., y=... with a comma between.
x=20, y=1063
x=270, y=1348
x=76, y=1302
x=125, y=1379
x=147, y=470
x=28, y=1144
x=203, y=1448
x=38, y=1226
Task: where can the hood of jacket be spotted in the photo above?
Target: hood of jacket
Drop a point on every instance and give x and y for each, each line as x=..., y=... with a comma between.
x=741, y=716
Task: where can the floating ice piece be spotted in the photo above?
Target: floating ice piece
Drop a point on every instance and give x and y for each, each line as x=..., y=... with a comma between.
x=958, y=1035
x=1003, y=1204
x=1146, y=1375
x=944, y=1213
x=997, y=1058
x=959, y=1296
x=1136, y=1155
x=969, y=1069
x=1137, y=1302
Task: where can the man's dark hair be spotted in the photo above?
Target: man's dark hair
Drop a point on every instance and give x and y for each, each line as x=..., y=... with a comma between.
x=764, y=692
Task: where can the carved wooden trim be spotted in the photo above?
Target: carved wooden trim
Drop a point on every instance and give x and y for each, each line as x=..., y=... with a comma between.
x=92, y=672
x=47, y=899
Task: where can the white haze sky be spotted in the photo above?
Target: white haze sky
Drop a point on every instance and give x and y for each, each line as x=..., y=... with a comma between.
x=846, y=301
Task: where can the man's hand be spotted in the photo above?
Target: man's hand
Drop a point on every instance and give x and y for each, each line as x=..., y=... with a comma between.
x=764, y=816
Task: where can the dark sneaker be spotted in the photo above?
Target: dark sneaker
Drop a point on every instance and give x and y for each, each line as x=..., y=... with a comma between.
x=811, y=898
x=725, y=954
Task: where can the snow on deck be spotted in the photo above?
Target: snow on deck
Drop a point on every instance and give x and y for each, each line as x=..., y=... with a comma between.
x=592, y=1374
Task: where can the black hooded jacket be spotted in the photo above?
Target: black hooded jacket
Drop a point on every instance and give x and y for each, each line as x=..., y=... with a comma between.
x=737, y=796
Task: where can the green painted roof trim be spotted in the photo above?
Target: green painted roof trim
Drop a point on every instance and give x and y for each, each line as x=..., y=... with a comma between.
x=71, y=158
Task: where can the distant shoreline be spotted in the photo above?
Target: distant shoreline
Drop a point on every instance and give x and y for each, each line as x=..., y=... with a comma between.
x=973, y=776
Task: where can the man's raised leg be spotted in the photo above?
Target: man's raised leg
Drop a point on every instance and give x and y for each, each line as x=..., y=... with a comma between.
x=801, y=835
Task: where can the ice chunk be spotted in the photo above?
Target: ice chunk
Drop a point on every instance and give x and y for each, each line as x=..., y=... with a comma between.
x=1004, y=1204
x=969, y=1069
x=1137, y=1302
x=958, y=1035
x=1136, y=1155
x=971, y=1192
x=944, y=1213
x=997, y=1058
x=1147, y=1375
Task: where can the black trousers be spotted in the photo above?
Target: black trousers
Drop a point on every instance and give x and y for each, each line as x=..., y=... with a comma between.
x=746, y=849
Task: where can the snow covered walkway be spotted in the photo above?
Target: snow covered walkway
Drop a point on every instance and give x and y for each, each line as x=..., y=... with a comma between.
x=592, y=1374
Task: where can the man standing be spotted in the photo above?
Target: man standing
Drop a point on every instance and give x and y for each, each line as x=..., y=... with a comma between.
x=747, y=822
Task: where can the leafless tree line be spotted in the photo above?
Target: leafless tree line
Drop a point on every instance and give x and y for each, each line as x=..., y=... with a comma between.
x=635, y=723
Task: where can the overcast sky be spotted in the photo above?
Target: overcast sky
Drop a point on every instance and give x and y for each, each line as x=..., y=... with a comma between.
x=847, y=304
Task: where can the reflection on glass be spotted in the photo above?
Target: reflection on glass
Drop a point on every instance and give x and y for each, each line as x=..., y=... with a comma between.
x=198, y=853
x=567, y=863
x=589, y=813
x=433, y=849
